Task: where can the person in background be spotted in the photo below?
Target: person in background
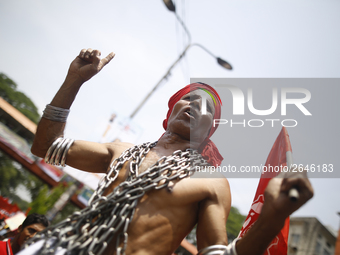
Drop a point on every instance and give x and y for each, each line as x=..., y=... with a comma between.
x=33, y=224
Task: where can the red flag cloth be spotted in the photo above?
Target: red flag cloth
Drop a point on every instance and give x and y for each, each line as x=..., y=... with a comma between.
x=5, y=248
x=276, y=158
x=7, y=210
x=207, y=149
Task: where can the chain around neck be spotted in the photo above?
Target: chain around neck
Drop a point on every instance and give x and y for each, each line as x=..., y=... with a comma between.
x=90, y=230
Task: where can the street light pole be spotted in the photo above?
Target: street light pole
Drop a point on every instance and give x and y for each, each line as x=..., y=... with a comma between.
x=160, y=81
x=220, y=61
x=171, y=7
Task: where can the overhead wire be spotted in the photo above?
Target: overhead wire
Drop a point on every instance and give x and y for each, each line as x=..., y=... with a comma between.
x=183, y=36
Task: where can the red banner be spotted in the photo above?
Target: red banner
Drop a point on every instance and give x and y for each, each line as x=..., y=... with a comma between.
x=7, y=210
x=277, y=158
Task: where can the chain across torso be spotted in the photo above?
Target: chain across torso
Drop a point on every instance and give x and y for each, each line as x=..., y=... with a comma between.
x=103, y=225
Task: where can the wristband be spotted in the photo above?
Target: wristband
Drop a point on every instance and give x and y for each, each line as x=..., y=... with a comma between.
x=56, y=154
x=220, y=249
x=55, y=113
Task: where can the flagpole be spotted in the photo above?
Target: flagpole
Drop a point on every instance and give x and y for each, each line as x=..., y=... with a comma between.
x=293, y=192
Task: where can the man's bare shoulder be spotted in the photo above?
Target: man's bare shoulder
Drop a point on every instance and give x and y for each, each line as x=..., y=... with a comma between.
x=117, y=148
x=216, y=183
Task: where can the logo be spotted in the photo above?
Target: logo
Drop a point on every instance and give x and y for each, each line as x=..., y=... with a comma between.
x=280, y=99
x=204, y=101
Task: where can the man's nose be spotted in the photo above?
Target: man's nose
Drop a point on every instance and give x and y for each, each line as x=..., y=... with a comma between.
x=197, y=103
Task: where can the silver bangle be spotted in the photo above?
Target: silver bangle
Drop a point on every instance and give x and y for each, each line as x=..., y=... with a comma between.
x=220, y=249
x=68, y=145
x=233, y=246
x=213, y=249
x=56, y=154
x=51, y=149
x=56, y=113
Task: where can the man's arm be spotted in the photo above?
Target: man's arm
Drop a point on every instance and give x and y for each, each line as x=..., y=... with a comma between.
x=83, y=155
x=213, y=214
x=276, y=208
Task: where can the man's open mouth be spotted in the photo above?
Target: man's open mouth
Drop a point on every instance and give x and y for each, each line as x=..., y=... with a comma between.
x=190, y=113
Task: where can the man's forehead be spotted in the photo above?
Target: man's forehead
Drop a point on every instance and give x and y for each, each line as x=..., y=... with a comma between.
x=202, y=93
x=36, y=226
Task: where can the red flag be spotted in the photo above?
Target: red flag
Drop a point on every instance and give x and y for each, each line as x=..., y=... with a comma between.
x=5, y=247
x=278, y=157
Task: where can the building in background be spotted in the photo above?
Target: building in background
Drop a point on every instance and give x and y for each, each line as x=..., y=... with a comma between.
x=16, y=135
x=307, y=236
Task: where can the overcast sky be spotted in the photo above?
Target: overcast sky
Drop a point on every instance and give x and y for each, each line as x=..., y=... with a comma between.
x=269, y=39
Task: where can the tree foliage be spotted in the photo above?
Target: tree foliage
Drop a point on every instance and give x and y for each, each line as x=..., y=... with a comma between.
x=12, y=175
x=234, y=223
x=8, y=91
x=46, y=199
x=68, y=210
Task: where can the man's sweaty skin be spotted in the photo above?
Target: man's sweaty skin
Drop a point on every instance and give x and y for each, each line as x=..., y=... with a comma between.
x=164, y=218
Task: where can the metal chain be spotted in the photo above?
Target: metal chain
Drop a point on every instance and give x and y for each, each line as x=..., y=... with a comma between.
x=90, y=230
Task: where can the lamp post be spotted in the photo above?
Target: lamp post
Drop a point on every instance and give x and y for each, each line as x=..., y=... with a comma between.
x=220, y=61
x=171, y=7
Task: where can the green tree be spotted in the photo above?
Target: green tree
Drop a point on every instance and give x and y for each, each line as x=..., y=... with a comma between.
x=46, y=199
x=68, y=210
x=12, y=175
x=234, y=223
x=8, y=91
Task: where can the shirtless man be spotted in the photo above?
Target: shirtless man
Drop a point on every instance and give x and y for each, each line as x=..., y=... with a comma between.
x=164, y=217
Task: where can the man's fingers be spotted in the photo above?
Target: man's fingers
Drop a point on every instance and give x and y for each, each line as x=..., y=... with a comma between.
x=302, y=185
x=293, y=194
x=293, y=179
x=82, y=53
x=107, y=59
x=88, y=53
x=93, y=63
x=95, y=55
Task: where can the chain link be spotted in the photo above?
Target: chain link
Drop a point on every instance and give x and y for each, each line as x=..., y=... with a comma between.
x=92, y=229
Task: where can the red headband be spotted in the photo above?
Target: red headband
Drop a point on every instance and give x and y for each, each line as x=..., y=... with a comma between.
x=207, y=149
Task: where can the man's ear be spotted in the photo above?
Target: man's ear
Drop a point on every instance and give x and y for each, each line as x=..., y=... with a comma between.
x=20, y=228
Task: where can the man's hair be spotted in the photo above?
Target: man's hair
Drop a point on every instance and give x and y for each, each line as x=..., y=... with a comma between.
x=35, y=218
